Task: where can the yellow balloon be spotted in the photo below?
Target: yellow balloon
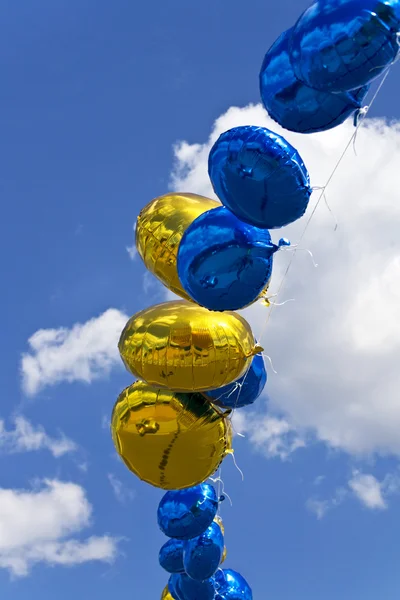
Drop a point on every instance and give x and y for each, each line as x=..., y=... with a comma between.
x=166, y=595
x=184, y=347
x=170, y=440
x=159, y=230
x=219, y=521
x=224, y=555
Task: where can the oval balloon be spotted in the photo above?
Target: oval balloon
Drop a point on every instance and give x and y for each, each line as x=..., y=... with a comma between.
x=174, y=587
x=203, y=554
x=245, y=390
x=166, y=595
x=186, y=514
x=171, y=556
x=184, y=347
x=196, y=590
x=295, y=105
x=259, y=176
x=223, y=263
x=161, y=436
x=159, y=229
x=230, y=585
x=340, y=45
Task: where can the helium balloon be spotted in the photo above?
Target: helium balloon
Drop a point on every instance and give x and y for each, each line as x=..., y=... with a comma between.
x=259, y=176
x=203, y=554
x=196, y=590
x=245, y=390
x=169, y=440
x=185, y=348
x=224, y=555
x=297, y=106
x=219, y=522
x=174, y=587
x=223, y=263
x=166, y=595
x=159, y=229
x=171, y=556
x=230, y=585
x=340, y=45
x=185, y=514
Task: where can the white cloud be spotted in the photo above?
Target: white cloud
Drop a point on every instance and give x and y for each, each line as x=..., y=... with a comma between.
x=368, y=491
x=37, y=526
x=26, y=438
x=320, y=507
x=85, y=352
x=121, y=492
x=335, y=348
x=131, y=250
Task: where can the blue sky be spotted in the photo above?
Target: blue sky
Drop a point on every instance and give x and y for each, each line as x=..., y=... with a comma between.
x=94, y=98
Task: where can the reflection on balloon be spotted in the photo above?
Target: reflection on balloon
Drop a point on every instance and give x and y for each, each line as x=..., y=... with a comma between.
x=340, y=45
x=171, y=556
x=295, y=105
x=185, y=514
x=230, y=585
x=245, y=390
x=161, y=435
x=185, y=347
x=159, y=229
x=202, y=555
x=255, y=163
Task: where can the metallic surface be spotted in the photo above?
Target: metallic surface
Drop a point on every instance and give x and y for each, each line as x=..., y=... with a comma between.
x=224, y=263
x=185, y=514
x=166, y=594
x=171, y=556
x=203, y=554
x=184, y=347
x=159, y=229
x=230, y=585
x=295, y=105
x=196, y=590
x=245, y=390
x=340, y=45
x=169, y=440
x=259, y=176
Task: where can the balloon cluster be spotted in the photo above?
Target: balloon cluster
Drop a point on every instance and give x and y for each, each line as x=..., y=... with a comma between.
x=196, y=548
x=318, y=72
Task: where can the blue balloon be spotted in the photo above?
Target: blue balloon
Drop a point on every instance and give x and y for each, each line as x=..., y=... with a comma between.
x=340, y=45
x=185, y=514
x=245, y=390
x=230, y=585
x=202, y=555
x=295, y=105
x=174, y=587
x=223, y=263
x=196, y=590
x=171, y=556
x=259, y=176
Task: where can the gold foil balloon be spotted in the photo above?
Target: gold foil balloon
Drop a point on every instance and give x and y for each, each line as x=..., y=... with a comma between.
x=219, y=521
x=170, y=440
x=159, y=230
x=166, y=595
x=184, y=347
x=224, y=555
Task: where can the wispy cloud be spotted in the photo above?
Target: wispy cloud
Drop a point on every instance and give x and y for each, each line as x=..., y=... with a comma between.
x=122, y=493
x=26, y=437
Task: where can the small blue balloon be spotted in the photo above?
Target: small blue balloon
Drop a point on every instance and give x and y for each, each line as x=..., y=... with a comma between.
x=223, y=263
x=340, y=45
x=259, y=176
x=174, y=587
x=202, y=555
x=171, y=556
x=230, y=585
x=196, y=590
x=185, y=514
x=245, y=390
x=295, y=105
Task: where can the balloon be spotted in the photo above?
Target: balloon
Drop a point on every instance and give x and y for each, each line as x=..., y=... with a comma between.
x=230, y=585
x=202, y=555
x=245, y=390
x=159, y=229
x=340, y=45
x=223, y=263
x=196, y=590
x=166, y=595
x=169, y=440
x=185, y=348
x=295, y=105
x=185, y=514
x=171, y=556
x=220, y=522
x=174, y=587
x=224, y=555
x=259, y=176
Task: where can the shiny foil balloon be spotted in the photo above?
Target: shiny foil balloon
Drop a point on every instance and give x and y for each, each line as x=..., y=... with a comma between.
x=171, y=556
x=169, y=440
x=166, y=595
x=259, y=176
x=230, y=585
x=184, y=347
x=203, y=554
x=220, y=522
x=159, y=229
x=245, y=390
x=196, y=590
x=224, y=263
x=340, y=45
x=295, y=105
x=174, y=587
x=185, y=514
